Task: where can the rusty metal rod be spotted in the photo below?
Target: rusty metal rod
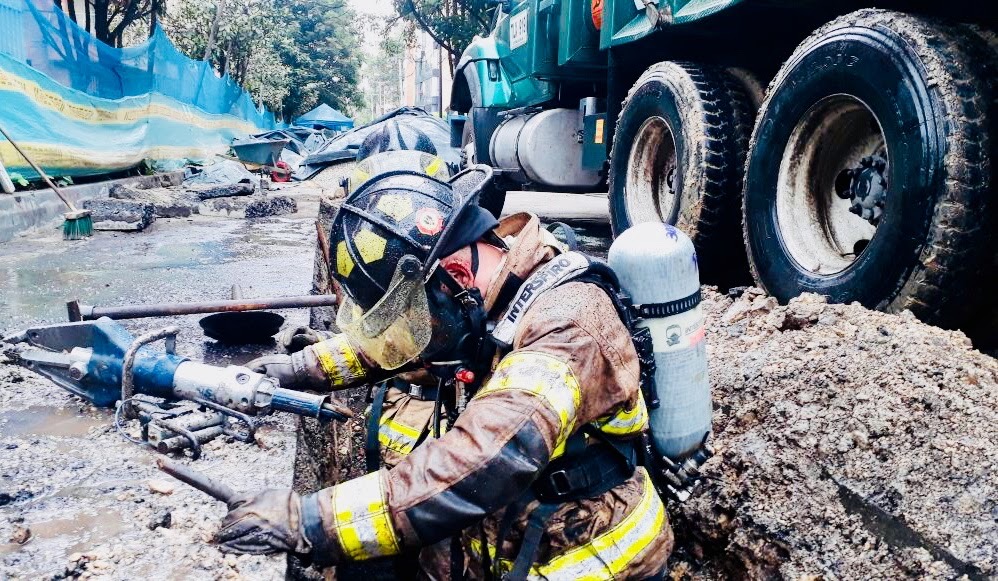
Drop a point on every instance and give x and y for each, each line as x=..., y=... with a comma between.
x=80, y=312
x=175, y=443
x=198, y=480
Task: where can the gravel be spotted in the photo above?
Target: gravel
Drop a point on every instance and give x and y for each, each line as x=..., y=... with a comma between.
x=77, y=500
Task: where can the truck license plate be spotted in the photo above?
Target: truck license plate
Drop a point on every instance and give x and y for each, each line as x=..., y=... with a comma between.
x=518, y=29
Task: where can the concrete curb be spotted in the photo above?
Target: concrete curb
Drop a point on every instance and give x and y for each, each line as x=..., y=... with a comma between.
x=24, y=211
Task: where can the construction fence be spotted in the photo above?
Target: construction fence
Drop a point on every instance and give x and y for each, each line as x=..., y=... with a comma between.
x=80, y=107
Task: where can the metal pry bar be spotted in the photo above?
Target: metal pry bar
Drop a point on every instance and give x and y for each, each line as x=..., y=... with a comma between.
x=198, y=480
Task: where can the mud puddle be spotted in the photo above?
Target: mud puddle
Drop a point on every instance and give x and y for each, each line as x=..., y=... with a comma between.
x=47, y=421
x=70, y=535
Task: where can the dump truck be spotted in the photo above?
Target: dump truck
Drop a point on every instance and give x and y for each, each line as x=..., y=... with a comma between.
x=814, y=146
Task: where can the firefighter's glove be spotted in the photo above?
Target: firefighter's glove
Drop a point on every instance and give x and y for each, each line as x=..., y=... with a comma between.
x=262, y=524
x=289, y=370
x=294, y=339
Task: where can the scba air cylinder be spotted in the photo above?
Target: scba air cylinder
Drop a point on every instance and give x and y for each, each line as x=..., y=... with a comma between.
x=657, y=266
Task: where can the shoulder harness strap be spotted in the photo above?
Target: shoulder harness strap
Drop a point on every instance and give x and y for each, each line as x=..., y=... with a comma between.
x=559, y=270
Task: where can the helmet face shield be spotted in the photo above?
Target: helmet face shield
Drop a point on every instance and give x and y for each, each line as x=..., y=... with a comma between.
x=398, y=328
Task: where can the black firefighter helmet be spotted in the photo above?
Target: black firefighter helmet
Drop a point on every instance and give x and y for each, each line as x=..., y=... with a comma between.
x=387, y=239
x=396, y=146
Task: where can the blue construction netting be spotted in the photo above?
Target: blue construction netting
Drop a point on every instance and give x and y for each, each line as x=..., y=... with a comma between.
x=84, y=94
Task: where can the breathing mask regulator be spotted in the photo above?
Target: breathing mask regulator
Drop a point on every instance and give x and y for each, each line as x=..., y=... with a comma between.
x=401, y=308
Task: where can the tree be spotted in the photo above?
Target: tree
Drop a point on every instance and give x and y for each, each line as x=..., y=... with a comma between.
x=324, y=56
x=112, y=17
x=289, y=54
x=450, y=23
x=382, y=75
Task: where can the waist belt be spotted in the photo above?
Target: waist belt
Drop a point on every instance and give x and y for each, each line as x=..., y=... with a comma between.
x=598, y=469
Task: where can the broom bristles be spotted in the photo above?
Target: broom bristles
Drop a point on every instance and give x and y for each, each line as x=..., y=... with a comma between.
x=78, y=225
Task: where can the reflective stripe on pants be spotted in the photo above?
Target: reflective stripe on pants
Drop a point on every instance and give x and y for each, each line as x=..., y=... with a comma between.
x=607, y=555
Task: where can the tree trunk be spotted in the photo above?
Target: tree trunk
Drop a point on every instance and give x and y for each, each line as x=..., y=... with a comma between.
x=225, y=58
x=213, y=35
x=89, y=22
x=102, y=28
x=153, y=16
x=71, y=9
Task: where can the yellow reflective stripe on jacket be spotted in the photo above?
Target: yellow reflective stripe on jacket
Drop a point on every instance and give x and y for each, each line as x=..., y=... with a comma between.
x=543, y=376
x=625, y=422
x=339, y=361
x=606, y=556
x=398, y=437
x=361, y=521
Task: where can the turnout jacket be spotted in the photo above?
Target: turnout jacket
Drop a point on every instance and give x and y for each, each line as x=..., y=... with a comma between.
x=572, y=363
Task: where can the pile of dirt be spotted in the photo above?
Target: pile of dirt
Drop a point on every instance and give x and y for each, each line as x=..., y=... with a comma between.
x=850, y=444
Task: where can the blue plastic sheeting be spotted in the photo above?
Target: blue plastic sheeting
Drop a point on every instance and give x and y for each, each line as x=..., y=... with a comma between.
x=80, y=107
x=325, y=117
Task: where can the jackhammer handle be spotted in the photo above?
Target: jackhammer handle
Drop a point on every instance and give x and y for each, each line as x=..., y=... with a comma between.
x=198, y=480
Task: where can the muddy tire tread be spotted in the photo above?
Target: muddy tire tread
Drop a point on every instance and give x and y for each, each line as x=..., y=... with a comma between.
x=942, y=289
x=724, y=118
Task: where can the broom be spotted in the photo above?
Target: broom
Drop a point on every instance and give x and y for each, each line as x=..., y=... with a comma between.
x=79, y=224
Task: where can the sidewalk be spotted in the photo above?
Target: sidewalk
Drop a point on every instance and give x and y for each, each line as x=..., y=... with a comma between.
x=24, y=211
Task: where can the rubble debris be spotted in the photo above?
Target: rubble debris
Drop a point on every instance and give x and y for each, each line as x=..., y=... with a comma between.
x=850, y=444
x=258, y=206
x=262, y=206
x=21, y=535
x=110, y=214
x=167, y=202
x=161, y=520
x=210, y=191
x=161, y=486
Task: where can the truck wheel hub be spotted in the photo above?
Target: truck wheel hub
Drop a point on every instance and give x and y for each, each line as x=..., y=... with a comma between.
x=865, y=187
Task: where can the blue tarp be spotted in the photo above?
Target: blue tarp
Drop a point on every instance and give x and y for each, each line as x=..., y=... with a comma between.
x=80, y=107
x=325, y=117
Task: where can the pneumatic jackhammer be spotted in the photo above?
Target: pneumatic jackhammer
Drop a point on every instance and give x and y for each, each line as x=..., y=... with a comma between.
x=180, y=403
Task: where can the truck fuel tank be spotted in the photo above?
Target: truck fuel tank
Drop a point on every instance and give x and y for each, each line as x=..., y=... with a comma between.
x=543, y=148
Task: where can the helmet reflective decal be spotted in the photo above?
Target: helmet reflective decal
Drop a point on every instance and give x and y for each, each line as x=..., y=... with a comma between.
x=397, y=207
x=429, y=221
x=344, y=264
x=370, y=246
x=434, y=166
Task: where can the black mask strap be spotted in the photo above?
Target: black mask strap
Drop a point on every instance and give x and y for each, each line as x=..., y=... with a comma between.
x=474, y=259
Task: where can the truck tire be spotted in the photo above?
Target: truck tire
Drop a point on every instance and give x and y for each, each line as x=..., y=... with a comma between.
x=493, y=198
x=678, y=155
x=869, y=172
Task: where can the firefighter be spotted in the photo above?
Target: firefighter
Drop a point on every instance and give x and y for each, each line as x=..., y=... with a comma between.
x=537, y=476
x=401, y=411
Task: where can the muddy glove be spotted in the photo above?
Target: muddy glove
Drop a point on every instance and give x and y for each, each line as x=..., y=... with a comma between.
x=289, y=370
x=294, y=339
x=269, y=522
